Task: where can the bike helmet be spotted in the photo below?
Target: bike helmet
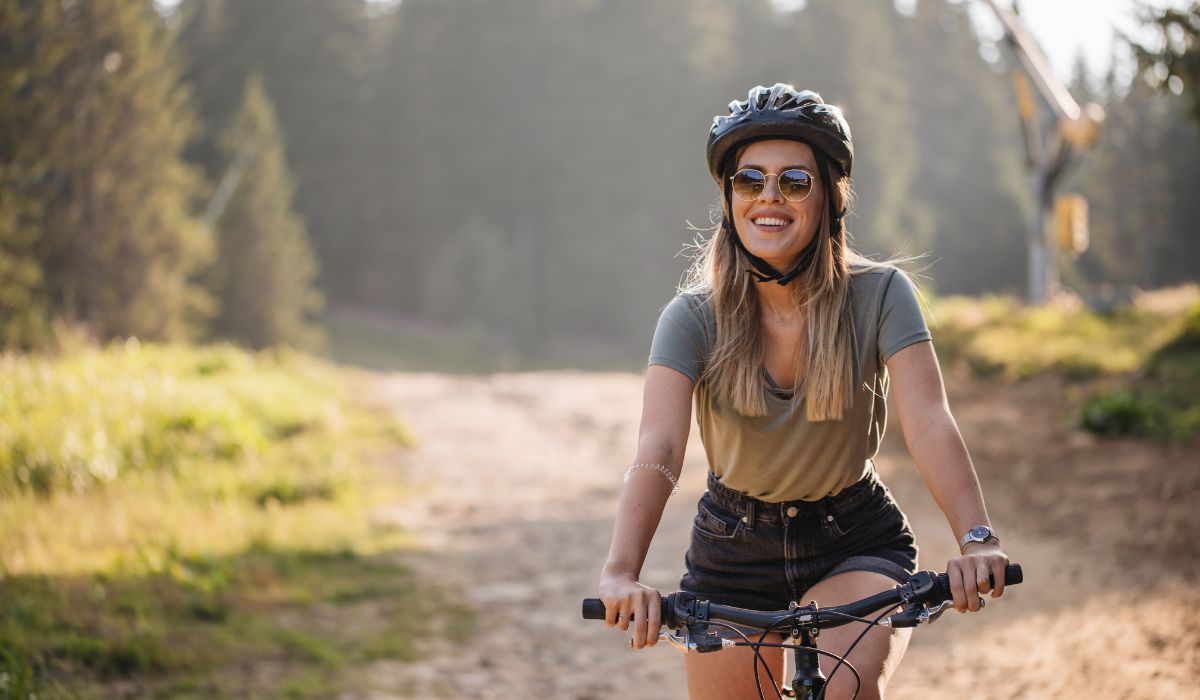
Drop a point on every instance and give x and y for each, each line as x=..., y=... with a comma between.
x=780, y=112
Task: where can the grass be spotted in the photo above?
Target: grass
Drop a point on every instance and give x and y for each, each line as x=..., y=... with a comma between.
x=195, y=522
x=1146, y=355
x=1002, y=338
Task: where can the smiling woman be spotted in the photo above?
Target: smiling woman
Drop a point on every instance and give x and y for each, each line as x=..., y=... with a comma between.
x=788, y=342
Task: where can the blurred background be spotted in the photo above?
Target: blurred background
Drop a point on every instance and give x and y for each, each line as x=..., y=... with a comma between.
x=221, y=222
x=402, y=174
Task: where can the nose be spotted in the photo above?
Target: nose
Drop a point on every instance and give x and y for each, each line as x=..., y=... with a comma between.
x=770, y=191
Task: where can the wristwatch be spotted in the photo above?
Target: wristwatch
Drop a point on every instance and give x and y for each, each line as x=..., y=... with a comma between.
x=979, y=533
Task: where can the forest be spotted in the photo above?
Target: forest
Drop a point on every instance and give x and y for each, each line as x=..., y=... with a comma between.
x=528, y=171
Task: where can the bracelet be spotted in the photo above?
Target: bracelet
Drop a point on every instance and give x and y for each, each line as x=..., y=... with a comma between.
x=661, y=469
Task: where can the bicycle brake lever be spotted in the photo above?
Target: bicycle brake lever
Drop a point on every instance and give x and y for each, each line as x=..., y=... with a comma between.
x=925, y=615
x=685, y=644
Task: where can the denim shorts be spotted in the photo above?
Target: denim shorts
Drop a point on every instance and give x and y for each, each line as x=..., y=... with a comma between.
x=762, y=556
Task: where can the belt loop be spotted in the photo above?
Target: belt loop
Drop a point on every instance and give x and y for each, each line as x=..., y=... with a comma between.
x=749, y=517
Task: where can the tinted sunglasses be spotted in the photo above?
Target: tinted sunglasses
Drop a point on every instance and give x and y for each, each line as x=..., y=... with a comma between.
x=749, y=183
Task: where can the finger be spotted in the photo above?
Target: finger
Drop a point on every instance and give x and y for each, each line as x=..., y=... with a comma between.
x=998, y=577
x=654, y=619
x=623, y=618
x=638, y=639
x=983, y=576
x=957, y=589
x=975, y=584
x=610, y=611
x=971, y=588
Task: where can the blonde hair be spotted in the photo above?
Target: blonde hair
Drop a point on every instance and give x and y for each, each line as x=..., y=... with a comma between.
x=822, y=290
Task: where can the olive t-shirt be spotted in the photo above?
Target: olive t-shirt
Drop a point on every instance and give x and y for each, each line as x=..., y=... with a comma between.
x=782, y=456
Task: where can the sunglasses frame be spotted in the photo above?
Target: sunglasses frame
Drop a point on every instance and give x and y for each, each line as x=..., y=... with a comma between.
x=767, y=178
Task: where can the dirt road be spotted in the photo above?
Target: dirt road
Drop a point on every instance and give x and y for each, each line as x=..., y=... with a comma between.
x=519, y=476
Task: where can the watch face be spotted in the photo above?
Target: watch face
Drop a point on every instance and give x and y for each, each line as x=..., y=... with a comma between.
x=980, y=533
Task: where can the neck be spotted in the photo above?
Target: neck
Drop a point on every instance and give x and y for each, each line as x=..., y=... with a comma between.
x=775, y=299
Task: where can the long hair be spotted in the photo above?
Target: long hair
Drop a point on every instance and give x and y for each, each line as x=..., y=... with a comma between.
x=734, y=371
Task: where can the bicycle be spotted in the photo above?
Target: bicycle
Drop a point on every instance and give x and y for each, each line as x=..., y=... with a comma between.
x=921, y=600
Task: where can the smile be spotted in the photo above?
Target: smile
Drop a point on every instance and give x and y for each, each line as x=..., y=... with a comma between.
x=771, y=222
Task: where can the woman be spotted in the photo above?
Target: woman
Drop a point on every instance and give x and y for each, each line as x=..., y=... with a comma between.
x=789, y=341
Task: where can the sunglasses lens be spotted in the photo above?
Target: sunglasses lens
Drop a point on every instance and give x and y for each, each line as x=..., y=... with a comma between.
x=748, y=184
x=795, y=185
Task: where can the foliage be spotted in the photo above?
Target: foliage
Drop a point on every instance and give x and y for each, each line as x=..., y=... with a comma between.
x=1001, y=337
x=1176, y=66
x=211, y=502
x=1139, y=366
x=80, y=421
x=266, y=276
x=95, y=221
x=166, y=631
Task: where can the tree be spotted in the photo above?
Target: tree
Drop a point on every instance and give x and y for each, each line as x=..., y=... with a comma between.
x=22, y=300
x=1176, y=66
x=265, y=270
x=313, y=57
x=100, y=194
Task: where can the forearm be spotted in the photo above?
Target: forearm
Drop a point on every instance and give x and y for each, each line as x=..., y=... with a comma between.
x=945, y=465
x=639, y=512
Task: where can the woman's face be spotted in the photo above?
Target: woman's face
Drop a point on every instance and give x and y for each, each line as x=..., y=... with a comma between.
x=771, y=227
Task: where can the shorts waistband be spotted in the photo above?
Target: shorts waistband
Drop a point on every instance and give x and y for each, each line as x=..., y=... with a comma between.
x=754, y=510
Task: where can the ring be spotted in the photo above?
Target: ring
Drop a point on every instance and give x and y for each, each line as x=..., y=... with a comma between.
x=621, y=617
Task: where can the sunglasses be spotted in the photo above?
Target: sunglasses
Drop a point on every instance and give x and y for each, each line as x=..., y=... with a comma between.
x=795, y=185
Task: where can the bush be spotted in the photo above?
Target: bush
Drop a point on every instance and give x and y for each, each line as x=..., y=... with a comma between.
x=1120, y=412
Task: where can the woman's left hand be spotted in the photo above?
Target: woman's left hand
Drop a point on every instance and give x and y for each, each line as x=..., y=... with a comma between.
x=969, y=574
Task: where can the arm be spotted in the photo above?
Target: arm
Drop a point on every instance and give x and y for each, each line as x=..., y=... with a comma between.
x=662, y=439
x=937, y=447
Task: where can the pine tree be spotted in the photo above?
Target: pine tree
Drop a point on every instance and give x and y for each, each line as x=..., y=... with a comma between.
x=102, y=194
x=265, y=270
x=22, y=66
x=313, y=58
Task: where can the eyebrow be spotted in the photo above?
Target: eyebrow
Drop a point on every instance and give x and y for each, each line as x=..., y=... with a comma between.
x=761, y=168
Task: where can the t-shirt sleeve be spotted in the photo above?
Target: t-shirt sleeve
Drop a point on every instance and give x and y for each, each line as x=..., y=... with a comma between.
x=679, y=338
x=900, y=320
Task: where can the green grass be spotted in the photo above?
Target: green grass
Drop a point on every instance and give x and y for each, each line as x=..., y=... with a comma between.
x=1002, y=338
x=1151, y=352
x=196, y=522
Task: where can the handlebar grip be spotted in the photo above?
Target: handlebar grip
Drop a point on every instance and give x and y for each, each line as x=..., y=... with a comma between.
x=593, y=609
x=1012, y=576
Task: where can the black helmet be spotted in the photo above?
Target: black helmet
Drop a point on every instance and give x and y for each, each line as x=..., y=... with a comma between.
x=780, y=111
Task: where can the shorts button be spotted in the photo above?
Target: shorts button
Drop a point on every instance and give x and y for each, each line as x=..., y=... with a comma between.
x=791, y=512
x=745, y=518
x=829, y=518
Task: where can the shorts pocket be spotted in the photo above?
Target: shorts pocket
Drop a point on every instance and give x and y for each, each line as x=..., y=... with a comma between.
x=879, y=515
x=715, y=522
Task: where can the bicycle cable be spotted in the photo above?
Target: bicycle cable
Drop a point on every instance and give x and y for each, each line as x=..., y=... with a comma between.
x=870, y=625
x=822, y=652
x=757, y=658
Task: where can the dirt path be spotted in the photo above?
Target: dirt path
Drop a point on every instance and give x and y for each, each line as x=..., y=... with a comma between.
x=520, y=474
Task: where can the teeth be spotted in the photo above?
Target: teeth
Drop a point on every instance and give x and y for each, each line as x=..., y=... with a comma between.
x=768, y=221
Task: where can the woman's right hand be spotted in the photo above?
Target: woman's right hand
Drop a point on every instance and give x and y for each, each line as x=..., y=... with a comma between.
x=623, y=597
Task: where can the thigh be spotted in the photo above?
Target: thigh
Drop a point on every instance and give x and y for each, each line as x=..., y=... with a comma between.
x=729, y=674
x=876, y=656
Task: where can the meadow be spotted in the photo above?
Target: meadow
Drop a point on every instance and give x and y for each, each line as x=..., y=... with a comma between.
x=202, y=522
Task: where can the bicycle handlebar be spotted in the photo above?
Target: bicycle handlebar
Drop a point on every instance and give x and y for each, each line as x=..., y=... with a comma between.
x=923, y=588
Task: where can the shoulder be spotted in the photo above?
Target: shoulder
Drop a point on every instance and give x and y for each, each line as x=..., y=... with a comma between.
x=869, y=284
x=694, y=305
x=865, y=276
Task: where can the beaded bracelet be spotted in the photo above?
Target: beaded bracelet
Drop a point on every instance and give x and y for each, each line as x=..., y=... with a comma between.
x=661, y=469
